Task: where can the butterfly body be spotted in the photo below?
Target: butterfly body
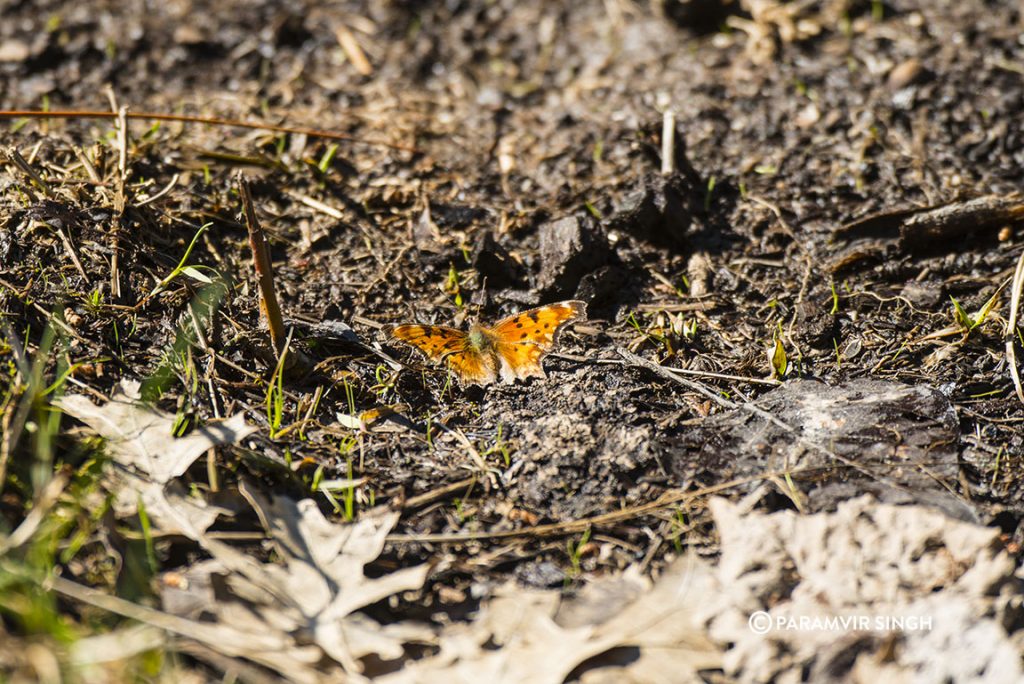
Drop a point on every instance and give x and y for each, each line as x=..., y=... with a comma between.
x=510, y=350
x=479, y=338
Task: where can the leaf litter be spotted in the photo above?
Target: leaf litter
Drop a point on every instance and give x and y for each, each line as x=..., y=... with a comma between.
x=538, y=174
x=298, y=613
x=316, y=587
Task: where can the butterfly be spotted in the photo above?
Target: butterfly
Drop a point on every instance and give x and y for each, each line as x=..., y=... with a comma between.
x=511, y=349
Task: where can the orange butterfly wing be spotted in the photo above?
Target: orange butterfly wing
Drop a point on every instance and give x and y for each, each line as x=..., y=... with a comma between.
x=434, y=341
x=438, y=343
x=520, y=361
x=473, y=367
x=522, y=340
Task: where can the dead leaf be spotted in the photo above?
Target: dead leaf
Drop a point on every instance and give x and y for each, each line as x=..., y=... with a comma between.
x=517, y=637
x=950, y=581
x=308, y=600
x=142, y=437
x=116, y=645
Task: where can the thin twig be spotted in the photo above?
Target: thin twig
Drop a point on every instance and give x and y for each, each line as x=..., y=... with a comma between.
x=13, y=421
x=771, y=382
x=55, y=320
x=318, y=205
x=385, y=271
x=87, y=165
x=576, y=526
x=750, y=408
x=120, y=201
x=474, y=454
x=44, y=501
x=264, y=271
x=166, y=189
x=439, y=493
x=808, y=264
x=350, y=46
x=15, y=156
x=70, y=249
x=774, y=208
x=673, y=307
x=668, y=143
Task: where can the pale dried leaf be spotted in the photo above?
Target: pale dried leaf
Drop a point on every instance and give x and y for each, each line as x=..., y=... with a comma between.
x=364, y=636
x=142, y=437
x=866, y=560
x=172, y=511
x=306, y=600
x=601, y=600
x=350, y=422
x=660, y=623
x=274, y=650
x=116, y=645
x=324, y=561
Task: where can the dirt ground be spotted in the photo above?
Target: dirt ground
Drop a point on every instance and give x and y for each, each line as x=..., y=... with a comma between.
x=798, y=299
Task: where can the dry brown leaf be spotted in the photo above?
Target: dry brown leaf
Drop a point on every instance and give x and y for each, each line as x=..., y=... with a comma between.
x=323, y=571
x=142, y=437
x=307, y=600
x=533, y=647
x=169, y=507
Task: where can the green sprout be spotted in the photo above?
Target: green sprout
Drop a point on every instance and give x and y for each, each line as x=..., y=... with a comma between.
x=777, y=355
x=452, y=285
x=969, y=322
x=575, y=551
x=679, y=526
x=328, y=157
x=275, y=396
x=499, y=447
x=707, y=195
x=193, y=272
